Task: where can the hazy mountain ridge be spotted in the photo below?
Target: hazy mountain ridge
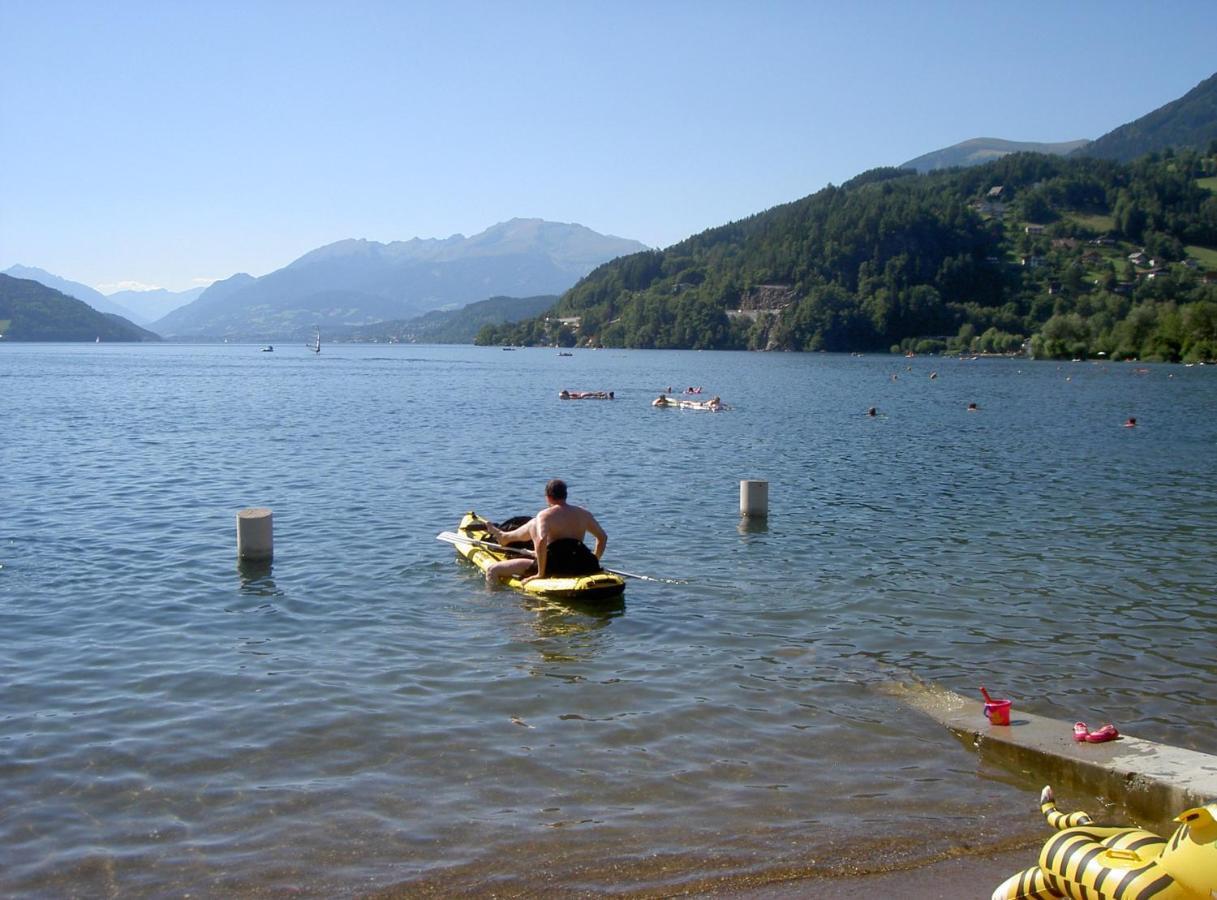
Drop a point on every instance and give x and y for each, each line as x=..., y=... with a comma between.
x=978, y=151
x=148, y=306
x=94, y=298
x=140, y=307
x=448, y=326
x=32, y=311
x=1189, y=122
x=359, y=282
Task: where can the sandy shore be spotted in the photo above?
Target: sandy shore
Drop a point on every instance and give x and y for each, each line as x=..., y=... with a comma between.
x=959, y=878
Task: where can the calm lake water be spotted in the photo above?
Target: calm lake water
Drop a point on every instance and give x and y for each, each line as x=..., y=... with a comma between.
x=365, y=715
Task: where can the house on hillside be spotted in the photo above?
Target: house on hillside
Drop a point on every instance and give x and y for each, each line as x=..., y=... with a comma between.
x=1034, y=229
x=1139, y=258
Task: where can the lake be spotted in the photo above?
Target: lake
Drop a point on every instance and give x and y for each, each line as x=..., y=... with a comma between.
x=365, y=715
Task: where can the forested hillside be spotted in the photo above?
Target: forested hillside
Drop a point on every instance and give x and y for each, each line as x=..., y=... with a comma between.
x=1190, y=121
x=1078, y=256
x=31, y=311
x=452, y=326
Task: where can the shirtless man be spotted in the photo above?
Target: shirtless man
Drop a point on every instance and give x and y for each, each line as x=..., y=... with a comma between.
x=557, y=534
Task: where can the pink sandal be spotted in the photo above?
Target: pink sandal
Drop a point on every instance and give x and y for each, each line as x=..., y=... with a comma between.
x=1080, y=731
x=1106, y=733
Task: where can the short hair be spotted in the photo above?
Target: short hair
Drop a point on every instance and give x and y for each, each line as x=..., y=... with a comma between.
x=556, y=488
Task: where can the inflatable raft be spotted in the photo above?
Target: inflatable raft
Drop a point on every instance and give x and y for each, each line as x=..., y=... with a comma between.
x=474, y=543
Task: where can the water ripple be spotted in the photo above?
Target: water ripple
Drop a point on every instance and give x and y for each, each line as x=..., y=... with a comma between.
x=363, y=714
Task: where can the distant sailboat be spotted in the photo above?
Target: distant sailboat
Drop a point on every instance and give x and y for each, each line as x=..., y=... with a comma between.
x=316, y=345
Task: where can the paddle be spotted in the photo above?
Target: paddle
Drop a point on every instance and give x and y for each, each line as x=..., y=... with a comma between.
x=452, y=537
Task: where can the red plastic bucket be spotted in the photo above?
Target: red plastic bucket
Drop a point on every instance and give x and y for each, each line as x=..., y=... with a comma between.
x=998, y=712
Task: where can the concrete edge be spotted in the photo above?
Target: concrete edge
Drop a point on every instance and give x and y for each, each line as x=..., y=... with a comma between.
x=1153, y=780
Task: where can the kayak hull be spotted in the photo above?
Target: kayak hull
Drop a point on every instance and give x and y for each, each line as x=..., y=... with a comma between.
x=595, y=588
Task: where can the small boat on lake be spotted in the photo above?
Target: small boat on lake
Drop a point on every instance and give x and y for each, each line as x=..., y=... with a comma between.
x=473, y=542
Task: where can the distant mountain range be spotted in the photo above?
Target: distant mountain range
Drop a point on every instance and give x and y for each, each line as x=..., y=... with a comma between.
x=349, y=285
x=95, y=299
x=978, y=151
x=148, y=306
x=358, y=282
x=452, y=326
x=1189, y=122
x=31, y=311
x=140, y=307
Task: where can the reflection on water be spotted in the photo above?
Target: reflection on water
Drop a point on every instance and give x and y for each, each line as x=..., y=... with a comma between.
x=753, y=525
x=569, y=632
x=378, y=719
x=256, y=577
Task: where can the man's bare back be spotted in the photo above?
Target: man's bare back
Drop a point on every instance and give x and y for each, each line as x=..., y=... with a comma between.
x=558, y=521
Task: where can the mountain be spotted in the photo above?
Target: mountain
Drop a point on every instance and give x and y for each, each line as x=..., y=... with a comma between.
x=1068, y=256
x=145, y=307
x=1189, y=122
x=360, y=282
x=31, y=311
x=1073, y=257
x=95, y=299
x=454, y=326
x=978, y=151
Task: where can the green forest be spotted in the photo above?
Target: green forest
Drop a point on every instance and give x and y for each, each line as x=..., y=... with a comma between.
x=1060, y=257
x=30, y=311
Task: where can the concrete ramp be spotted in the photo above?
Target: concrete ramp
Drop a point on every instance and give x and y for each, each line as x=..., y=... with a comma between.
x=1151, y=779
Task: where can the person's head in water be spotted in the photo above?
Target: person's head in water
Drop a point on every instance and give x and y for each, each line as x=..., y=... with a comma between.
x=555, y=489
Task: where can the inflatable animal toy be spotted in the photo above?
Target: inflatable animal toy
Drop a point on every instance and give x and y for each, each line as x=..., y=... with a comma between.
x=1099, y=862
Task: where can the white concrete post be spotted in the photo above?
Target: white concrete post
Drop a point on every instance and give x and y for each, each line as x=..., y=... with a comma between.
x=754, y=499
x=255, y=534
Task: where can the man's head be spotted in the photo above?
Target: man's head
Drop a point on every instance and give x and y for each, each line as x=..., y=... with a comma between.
x=555, y=489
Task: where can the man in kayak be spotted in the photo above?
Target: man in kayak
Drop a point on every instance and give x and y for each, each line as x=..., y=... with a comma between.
x=557, y=534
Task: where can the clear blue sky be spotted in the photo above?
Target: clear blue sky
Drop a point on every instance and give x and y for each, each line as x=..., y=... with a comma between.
x=172, y=143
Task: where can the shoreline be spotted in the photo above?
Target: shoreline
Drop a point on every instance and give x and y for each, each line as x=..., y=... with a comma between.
x=964, y=875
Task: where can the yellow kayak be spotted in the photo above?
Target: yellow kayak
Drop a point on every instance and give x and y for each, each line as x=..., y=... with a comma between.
x=474, y=543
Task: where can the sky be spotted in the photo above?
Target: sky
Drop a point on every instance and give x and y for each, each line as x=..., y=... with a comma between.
x=169, y=144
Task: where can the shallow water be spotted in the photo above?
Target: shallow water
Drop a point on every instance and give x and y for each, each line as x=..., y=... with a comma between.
x=364, y=714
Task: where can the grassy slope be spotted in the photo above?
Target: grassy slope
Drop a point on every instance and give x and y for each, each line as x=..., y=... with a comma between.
x=1205, y=256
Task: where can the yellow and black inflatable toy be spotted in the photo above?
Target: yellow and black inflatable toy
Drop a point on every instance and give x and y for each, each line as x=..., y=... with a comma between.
x=1100, y=862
